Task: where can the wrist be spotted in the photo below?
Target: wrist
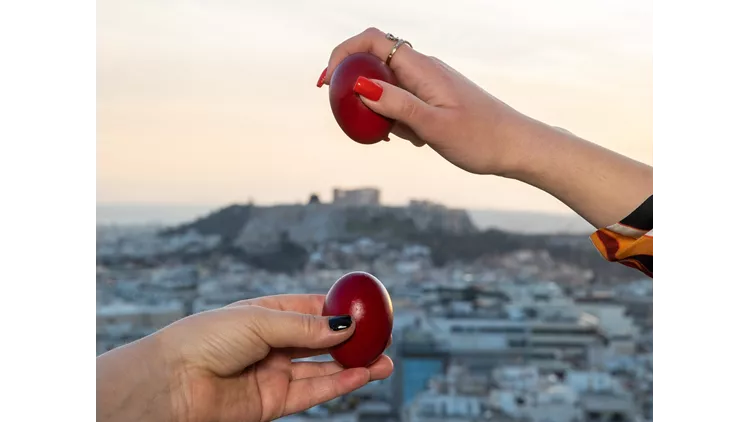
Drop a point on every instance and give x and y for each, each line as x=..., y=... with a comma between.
x=137, y=382
x=525, y=147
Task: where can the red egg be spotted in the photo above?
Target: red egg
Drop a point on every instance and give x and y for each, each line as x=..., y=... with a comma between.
x=356, y=120
x=364, y=297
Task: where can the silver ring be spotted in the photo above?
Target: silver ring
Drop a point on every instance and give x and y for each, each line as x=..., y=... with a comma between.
x=399, y=43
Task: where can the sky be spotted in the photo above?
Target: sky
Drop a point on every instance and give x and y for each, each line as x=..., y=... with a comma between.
x=214, y=101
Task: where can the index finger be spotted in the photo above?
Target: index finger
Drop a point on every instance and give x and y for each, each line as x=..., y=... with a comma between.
x=300, y=303
x=305, y=393
x=373, y=41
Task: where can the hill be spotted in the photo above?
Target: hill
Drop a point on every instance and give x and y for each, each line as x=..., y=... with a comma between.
x=280, y=238
x=254, y=229
x=164, y=215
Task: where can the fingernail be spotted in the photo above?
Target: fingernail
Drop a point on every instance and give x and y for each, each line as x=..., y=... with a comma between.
x=339, y=323
x=368, y=89
x=322, y=77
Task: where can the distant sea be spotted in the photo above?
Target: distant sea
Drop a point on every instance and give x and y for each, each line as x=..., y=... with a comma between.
x=512, y=221
x=149, y=214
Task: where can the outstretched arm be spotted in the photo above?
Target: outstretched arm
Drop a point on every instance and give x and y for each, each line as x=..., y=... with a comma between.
x=612, y=192
x=600, y=185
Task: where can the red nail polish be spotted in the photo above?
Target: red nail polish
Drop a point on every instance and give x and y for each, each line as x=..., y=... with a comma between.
x=322, y=77
x=368, y=89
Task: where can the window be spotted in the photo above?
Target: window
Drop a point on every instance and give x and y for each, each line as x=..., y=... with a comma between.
x=617, y=417
x=543, y=356
x=567, y=346
x=518, y=343
x=502, y=330
x=584, y=331
x=489, y=330
x=594, y=417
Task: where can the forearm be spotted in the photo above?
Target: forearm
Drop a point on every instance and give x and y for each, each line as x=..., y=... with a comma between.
x=598, y=184
x=130, y=387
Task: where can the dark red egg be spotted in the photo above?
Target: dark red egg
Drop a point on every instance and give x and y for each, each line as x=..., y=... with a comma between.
x=364, y=297
x=356, y=120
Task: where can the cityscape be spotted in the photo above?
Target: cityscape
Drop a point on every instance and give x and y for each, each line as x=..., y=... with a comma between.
x=488, y=325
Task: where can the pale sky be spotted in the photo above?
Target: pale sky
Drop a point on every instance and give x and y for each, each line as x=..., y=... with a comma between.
x=214, y=101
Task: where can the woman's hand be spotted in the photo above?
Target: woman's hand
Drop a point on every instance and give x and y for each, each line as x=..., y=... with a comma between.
x=437, y=106
x=232, y=364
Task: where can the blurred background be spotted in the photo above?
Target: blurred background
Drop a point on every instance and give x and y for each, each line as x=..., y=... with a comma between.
x=222, y=175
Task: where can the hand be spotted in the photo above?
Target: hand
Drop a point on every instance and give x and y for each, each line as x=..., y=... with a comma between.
x=436, y=106
x=439, y=107
x=232, y=364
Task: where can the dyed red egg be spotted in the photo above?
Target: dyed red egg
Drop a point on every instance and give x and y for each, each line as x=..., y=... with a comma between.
x=364, y=297
x=356, y=120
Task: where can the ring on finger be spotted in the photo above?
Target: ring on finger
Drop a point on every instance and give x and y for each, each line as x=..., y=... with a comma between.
x=399, y=43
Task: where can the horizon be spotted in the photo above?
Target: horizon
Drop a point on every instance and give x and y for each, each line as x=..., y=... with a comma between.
x=195, y=106
x=563, y=213
x=154, y=214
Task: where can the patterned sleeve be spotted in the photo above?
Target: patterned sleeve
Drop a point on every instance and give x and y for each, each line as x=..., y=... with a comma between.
x=631, y=241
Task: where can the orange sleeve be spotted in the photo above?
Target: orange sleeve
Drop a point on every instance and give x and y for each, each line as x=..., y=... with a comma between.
x=631, y=241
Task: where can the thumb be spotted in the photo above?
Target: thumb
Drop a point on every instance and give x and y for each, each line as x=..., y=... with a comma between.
x=394, y=102
x=227, y=340
x=281, y=329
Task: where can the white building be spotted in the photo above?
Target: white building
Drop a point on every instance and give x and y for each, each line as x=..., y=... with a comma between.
x=356, y=197
x=516, y=378
x=612, y=317
x=602, y=397
x=556, y=403
x=432, y=406
x=559, y=340
x=596, y=382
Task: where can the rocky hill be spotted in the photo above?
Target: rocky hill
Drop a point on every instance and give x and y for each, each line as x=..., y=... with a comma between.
x=256, y=229
x=280, y=238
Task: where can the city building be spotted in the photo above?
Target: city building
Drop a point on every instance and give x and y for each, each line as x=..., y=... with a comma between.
x=517, y=336
x=356, y=197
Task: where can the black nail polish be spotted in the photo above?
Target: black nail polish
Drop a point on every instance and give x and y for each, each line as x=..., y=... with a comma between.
x=339, y=323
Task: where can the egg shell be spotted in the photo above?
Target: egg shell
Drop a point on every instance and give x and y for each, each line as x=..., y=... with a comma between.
x=356, y=120
x=364, y=297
